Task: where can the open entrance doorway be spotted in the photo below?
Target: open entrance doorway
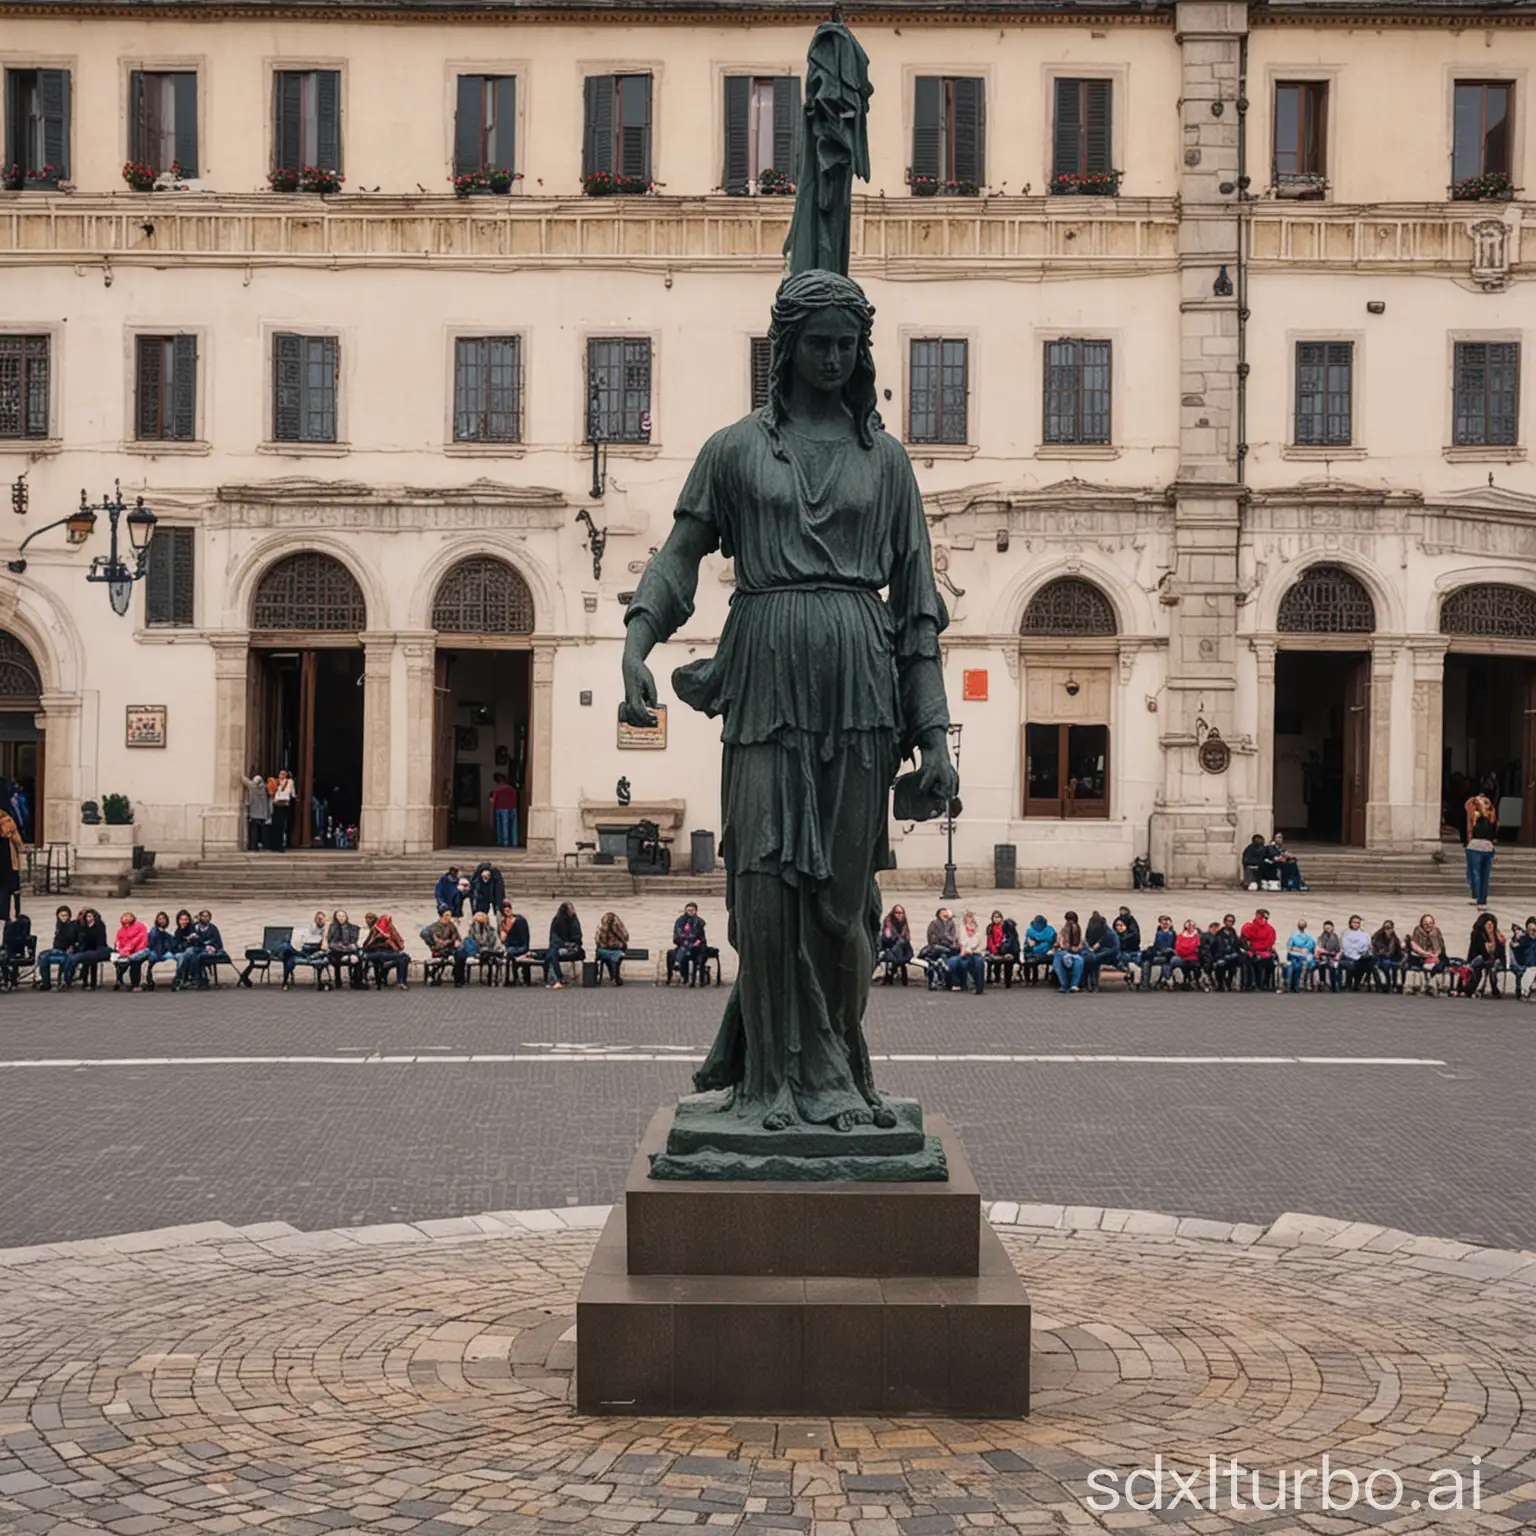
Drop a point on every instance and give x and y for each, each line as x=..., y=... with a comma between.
x=1322, y=744
x=484, y=717
x=21, y=743
x=1489, y=742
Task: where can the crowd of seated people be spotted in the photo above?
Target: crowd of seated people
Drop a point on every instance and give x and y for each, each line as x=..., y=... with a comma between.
x=80, y=949
x=1271, y=866
x=1221, y=957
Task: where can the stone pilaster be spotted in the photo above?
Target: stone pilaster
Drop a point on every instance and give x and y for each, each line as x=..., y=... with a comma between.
x=377, y=834
x=1379, y=831
x=419, y=650
x=1427, y=656
x=1195, y=835
x=541, y=810
x=224, y=820
x=1264, y=736
x=59, y=721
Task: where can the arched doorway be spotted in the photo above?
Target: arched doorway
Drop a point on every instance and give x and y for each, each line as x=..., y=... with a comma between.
x=484, y=617
x=1323, y=707
x=1488, y=738
x=21, y=743
x=305, y=710
x=1067, y=645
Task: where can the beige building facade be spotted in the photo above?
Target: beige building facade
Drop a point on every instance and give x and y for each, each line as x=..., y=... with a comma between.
x=1208, y=326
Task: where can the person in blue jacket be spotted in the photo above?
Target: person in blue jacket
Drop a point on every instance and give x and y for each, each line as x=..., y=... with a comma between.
x=447, y=894
x=1039, y=939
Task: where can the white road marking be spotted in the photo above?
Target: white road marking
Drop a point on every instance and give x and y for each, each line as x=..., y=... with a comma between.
x=679, y=1054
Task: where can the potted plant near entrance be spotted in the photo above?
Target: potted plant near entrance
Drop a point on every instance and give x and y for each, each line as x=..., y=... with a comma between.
x=104, y=855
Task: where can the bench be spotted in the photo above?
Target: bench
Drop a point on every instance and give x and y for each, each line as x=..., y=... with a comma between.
x=710, y=962
x=523, y=965
x=629, y=954
x=572, y=860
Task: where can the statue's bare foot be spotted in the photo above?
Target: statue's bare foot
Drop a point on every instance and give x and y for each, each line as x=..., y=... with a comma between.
x=884, y=1117
x=778, y=1120
x=852, y=1117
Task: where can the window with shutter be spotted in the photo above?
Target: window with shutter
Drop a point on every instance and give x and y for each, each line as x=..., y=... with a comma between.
x=24, y=386
x=619, y=389
x=485, y=124
x=1486, y=398
x=1077, y=391
x=169, y=584
x=488, y=389
x=162, y=124
x=762, y=133
x=1482, y=130
x=948, y=133
x=617, y=137
x=167, y=388
x=1082, y=138
x=634, y=126
x=304, y=370
x=1301, y=117
x=1324, y=386
x=307, y=119
x=937, y=390
x=601, y=103
x=761, y=371
x=37, y=124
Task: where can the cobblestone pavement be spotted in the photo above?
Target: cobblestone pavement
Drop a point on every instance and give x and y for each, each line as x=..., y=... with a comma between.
x=418, y=1379
x=1197, y=1121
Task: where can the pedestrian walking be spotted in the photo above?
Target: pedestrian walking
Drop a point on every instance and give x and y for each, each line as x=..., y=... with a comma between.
x=1482, y=828
x=258, y=812
x=284, y=797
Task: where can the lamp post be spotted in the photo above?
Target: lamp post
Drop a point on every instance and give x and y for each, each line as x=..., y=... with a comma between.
x=951, y=892
x=111, y=567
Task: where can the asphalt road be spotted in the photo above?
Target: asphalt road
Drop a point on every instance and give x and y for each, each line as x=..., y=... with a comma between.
x=1410, y=1112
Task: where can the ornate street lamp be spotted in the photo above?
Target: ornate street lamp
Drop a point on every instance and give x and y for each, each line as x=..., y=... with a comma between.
x=950, y=891
x=111, y=567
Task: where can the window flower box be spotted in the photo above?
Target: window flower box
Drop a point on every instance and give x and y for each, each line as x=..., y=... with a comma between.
x=772, y=183
x=307, y=178
x=140, y=177
x=485, y=183
x=610, y=184
x=1091, y=184
x=283, y=180
x=16, y=178
x=12, y=178
x=1299, y=186
x=1490, y=187
x=937, y=186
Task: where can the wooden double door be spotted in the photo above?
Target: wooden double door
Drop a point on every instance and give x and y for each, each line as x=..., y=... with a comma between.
x=1322, y=752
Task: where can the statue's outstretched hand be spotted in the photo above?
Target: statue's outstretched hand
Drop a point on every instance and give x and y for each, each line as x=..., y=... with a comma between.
x=639, y=693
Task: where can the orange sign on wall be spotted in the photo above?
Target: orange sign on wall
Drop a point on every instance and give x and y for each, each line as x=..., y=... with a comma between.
x=974, y=687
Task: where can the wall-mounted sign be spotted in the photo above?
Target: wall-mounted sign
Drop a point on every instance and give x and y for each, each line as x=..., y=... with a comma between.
x=973, y=686
x=645, y=738
x=146, y=725
x=1215, y=755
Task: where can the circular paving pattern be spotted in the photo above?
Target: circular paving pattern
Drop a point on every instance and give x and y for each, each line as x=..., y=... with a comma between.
x=325, y=1382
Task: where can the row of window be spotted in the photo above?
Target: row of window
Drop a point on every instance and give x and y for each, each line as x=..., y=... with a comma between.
x=488, y=390
x=762, y=116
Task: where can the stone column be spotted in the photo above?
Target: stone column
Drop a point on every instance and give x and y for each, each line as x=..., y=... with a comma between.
x=59, y=720
x=378, y=833
x=1194, y=829
x=541, y=810
x=1428, y=658
x=1264, y=737
x=1378, y=805
x=420, y=652
x=224, y=820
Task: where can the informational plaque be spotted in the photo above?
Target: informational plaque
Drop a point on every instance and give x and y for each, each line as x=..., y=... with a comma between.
x=974, y=688
x=146, y=725
x=645, y=738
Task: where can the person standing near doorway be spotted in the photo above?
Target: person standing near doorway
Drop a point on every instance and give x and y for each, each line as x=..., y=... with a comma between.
x=1482, y=828
x=284, y=798
x=258, y=812
x=13, y=858
x=504, y=804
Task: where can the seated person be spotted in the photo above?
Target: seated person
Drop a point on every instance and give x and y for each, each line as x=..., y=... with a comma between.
x=943, y=944
x=611, y=942
x=307, y=947
x=341, y=945
x=1186, y=955
x=1103, y=949
x=1522, y=953
x=1130, y=941
x=1067, y=961
x=16, y=947
x=895, y=945
x=1387, y=956
x=1356, y=962
x=1003, y=950
x=1221, y=953
x=564, y=943
x=968, y=964
x=66, y=931
x=129, y=951
x=1486, y=954
x=482, y=942
x=384, y=950
x=90, y=946
x=1039, y=941
x=1159, y=955
x=1287, y=870
x=1326, y=958
x=446, y=946
x=514, y=935
x=1300, y=953
x=1130, y=954
x=205, y=949
x=1258, y=865
x=1259, y=958
x=690, y=945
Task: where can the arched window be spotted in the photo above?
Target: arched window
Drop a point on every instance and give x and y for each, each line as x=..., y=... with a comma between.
x=1492, y=611
x=309, y=591
x=1327, y=600
x=19, y=677
x=1068, y=606
x=483, y=596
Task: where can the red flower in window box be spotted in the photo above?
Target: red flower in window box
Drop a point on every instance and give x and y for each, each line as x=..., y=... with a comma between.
x=610, y=184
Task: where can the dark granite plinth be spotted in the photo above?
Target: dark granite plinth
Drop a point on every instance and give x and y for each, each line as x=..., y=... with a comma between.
x=673, y=1344
x=725, y=1227
x=805, y=1299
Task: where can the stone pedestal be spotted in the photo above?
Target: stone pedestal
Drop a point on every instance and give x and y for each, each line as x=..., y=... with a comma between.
x=801, y=1298
x=103, y=861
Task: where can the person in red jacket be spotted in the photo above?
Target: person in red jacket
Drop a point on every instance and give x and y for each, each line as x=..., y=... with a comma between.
x=1259, y=953
x=1186, y=949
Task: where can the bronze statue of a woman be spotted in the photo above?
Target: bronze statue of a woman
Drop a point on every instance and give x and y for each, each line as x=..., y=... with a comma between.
x=823, y=685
